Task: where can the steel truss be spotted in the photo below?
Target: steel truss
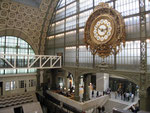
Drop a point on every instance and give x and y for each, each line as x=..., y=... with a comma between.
x=15, y=61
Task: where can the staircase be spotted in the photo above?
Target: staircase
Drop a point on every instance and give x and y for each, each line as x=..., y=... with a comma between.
x=113, y=103
x=17, y=99
x=94, y=110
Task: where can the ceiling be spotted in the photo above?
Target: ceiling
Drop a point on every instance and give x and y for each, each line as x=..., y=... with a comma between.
x=34, y=3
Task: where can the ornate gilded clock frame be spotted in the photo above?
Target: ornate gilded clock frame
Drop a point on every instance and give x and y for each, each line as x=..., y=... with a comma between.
x=113, y=43
x=105, y=16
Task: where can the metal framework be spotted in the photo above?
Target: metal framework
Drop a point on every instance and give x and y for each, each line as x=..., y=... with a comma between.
x=142, y=26
x=143, y=45
x=15, y=61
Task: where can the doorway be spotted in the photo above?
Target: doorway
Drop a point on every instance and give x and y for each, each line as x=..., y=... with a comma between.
x=1, y=88
x=18, y=110
x=148, y=98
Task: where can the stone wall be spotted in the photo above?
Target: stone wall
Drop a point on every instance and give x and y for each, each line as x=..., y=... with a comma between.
x=17, y=78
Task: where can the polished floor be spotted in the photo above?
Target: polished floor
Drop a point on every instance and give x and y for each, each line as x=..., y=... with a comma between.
x=112, y=97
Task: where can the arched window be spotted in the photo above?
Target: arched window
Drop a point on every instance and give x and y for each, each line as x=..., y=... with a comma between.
x=15, y=45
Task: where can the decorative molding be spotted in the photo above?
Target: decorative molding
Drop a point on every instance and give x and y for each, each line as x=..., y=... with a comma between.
x=27, y=19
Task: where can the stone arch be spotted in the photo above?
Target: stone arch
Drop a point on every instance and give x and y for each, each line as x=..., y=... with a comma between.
x=20, y=34
x=128, y=78
x=119, y=75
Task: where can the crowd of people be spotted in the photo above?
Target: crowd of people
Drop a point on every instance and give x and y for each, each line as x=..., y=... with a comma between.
x=126, y=96
x=98, y=94
x=65, y=92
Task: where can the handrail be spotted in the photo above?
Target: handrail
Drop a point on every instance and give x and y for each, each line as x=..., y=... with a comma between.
x=82, y=106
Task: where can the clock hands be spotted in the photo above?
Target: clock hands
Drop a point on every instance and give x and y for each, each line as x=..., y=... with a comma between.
x=102, y=30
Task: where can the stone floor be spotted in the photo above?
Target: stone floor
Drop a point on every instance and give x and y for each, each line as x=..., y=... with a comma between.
x=119, y=98
x=112, y=97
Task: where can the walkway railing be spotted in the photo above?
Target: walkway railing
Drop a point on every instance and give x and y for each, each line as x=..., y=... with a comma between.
x=81, y=106
x=14, y=61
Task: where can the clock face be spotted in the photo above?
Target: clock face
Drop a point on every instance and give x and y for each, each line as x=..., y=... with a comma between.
x=102, y=29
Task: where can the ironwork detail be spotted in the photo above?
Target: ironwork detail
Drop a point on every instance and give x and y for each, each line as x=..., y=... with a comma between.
x=143, y=44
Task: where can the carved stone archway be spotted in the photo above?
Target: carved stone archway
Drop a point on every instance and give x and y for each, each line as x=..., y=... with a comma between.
x=131, y=76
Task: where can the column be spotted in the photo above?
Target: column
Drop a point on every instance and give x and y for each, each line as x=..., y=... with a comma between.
x=102, y=81
x=77, y=81
x=53, y=80
x=65, y=37
x=144, y=100
x=66, y=81
x=87, y=80
x=41, y=77
x=93, y=61
x=38, y=86
x=143, y=57
x=77, y=33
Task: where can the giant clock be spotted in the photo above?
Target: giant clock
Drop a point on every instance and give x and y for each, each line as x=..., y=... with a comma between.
x=104, y=31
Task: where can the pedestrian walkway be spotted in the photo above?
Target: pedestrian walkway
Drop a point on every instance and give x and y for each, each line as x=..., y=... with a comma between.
x=112, y=96
x=122, y=100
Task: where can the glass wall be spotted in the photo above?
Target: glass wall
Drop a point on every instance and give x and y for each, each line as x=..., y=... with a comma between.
x=132, y=28
x=147, y=3
x=129, y=57
x=71, y=9
x=85, y=57
x=127, y=7
x=72, y=21
x=85, y=4
x=83, y=17
x=14, y=45
x=70, y=57
x=148, y=54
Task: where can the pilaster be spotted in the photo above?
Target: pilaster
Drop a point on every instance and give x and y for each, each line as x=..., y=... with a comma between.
x=143, y=100
x=53, y=79
x=77, y=82
x=66, y=80
x=87, y=80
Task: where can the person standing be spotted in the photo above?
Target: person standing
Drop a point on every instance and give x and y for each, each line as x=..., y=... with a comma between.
x=99, y=109
x=121, y=95
x=103, y=109
x=92, y=93
x=132, y=97
x=115, y=94
x=124, y=95
x=97, y=93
